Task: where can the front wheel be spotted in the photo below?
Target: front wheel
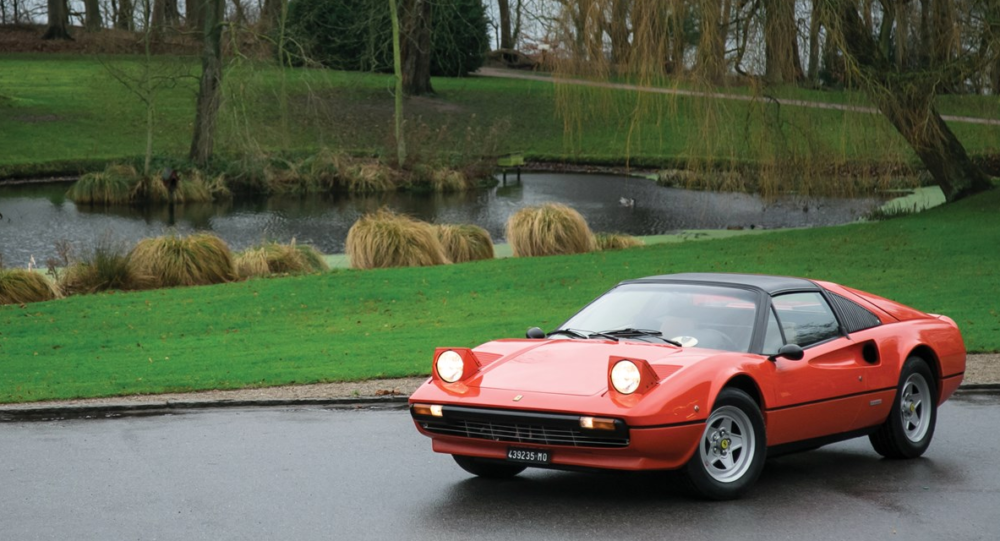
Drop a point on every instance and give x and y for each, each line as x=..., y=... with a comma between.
x=908, y=431
x=731, y=450
x=487, y=468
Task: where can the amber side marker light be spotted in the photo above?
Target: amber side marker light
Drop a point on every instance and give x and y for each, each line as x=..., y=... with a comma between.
x=434, y=410
x=597, y=423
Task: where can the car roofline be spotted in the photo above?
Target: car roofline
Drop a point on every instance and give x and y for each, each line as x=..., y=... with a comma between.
x=769, y=284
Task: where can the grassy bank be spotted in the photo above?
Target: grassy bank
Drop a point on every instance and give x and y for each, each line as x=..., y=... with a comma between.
x=349, y=325
x=65, y=113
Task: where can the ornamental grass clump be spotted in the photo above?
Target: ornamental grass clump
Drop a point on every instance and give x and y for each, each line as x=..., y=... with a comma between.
x=369, y=178
x=106, y=268
x=385, y=239
x=20, y=286
x=550, y=229
x=448, y=181
x=274, y=258
x=465, y=242
x=113, y=186
x=615, y=241
x=322, y=172
x=170, y=261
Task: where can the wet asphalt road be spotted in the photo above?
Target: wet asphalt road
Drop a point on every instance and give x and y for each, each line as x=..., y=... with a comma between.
x=315, y=473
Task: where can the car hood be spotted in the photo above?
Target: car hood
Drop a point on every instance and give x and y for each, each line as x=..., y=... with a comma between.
x=570, y=367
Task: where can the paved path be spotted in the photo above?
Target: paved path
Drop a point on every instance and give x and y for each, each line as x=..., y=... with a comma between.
x=513, y=74
x=314, y=473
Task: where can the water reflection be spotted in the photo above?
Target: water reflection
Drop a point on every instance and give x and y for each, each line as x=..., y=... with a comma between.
x=36, y=216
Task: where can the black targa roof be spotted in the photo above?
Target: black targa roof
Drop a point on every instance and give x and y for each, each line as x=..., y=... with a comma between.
x=766, y=283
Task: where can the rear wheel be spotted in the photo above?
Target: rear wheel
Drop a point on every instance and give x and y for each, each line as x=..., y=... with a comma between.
x=908, y=431
x=731, y=450
x=487, y=468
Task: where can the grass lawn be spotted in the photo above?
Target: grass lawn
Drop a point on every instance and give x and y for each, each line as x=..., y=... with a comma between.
x=66, y=113
x=350, y=325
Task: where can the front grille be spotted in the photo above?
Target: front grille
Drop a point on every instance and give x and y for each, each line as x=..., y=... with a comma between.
x=521, y=427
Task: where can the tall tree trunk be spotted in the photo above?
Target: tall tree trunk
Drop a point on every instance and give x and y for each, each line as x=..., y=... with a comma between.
x=415, y=47
x=270, y=15
x=94, y=22
x=58, y=20
x=712, y=45
x=209, y=89
x=193, y=10
x=781, y=43
x=902, y=32
x=942, y=33
x=909, y=108
x=925, y=33
x=677, y=36
x=506, y=35
x=619, y=32
x=165, y=14
x=397, y=63
x=814, y=26
x=124, y=17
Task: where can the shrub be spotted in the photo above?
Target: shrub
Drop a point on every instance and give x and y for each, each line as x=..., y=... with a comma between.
x=369, y=178
x=465, y=242
x=615, y=241
x=104, y=269
x=384, y=239
x=19, y=286
x=550, y=229
x=357, y=35
x=274, y=258
x=171, y=261
x=113, y=186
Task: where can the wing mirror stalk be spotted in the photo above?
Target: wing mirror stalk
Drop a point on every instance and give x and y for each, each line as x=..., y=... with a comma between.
x=792, y=352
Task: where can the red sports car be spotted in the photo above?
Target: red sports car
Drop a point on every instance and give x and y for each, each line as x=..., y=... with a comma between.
x=706, y=373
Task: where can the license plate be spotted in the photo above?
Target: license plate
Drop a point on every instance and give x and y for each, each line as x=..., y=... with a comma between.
x=529, y=456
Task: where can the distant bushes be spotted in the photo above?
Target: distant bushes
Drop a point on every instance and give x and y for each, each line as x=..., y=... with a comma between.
x=122, y=184
x=550, y=229
x=356, y=35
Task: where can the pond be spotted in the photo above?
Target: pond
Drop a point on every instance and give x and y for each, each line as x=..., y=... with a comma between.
x=36, y=216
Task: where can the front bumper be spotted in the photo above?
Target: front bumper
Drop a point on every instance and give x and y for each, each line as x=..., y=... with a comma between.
x=488, y=433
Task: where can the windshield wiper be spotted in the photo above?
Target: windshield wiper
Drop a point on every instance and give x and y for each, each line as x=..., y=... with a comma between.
x=578, y=334
x=639, y=332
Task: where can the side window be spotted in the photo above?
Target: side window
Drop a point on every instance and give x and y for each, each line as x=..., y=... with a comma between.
x=772, y=336
x=805, y=318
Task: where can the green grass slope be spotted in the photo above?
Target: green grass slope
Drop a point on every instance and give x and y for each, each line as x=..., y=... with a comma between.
x=349, y=325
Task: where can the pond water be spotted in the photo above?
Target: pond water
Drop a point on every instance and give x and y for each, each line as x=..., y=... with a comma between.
x=36, y=216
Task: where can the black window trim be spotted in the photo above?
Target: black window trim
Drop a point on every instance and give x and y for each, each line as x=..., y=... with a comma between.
x=841, y=331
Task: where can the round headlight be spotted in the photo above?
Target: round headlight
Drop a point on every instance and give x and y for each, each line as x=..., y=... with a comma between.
x=450, y=366
x=625, y=377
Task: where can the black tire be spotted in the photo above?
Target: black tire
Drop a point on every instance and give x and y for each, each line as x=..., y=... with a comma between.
x=488, y=468
x=908, y=431
x=735, y=416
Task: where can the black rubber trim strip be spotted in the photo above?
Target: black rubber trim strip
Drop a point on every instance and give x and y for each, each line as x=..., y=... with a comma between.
x=671, y=425
x=831, y=399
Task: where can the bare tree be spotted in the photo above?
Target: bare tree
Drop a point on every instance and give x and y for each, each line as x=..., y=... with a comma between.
x=124, y=18
x=397, y=62
x=209, y=88
x=506, y=30
x=781, y=49
x=93, y=19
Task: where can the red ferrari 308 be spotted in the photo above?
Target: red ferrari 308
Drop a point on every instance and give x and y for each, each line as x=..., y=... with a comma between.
x=705, y=373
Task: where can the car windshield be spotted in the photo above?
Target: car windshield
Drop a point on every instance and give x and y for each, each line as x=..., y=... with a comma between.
x=692, y=315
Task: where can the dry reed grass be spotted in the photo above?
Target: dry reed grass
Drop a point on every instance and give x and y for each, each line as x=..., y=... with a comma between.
x=19, y=286
x=274, y=258
x=113, y=186
x=369, y=178
x=170, y=261
x=550, y=229
x=105, y=269
x=465, y=242
x=384, y=239
x=615, y=241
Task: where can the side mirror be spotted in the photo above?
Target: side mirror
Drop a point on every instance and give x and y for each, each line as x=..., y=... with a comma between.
x=534, y=332
x=792, y=352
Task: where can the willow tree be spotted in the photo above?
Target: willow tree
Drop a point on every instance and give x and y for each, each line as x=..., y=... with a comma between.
x=906, y=98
